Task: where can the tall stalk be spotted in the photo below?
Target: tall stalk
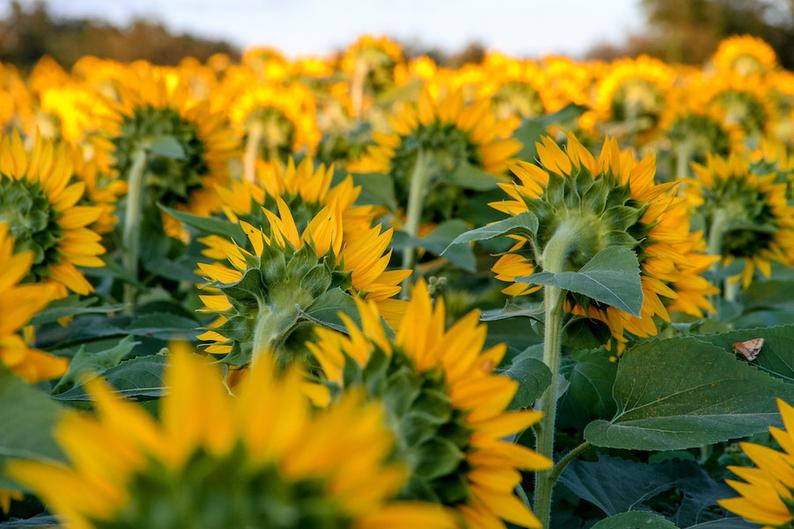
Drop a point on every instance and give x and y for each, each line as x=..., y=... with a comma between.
x=132, y=223
x=683, y=156
x=553, y=260
x=251, y=153
x=357, y=87
x=416, y=192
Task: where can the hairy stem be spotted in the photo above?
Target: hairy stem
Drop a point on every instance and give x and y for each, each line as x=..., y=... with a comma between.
x=419, y=177
x=553, y=260
x=132, y=224
x=562, y=463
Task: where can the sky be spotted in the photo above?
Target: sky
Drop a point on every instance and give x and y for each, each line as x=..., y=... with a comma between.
x=301, y=27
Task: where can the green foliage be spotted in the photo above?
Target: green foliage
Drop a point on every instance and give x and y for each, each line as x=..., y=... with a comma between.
x=684, y=393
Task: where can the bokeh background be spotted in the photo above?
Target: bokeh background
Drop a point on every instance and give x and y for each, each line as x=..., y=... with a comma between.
x=452, y=32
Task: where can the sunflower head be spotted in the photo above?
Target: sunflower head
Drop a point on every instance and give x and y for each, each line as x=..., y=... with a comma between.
x=745, y=55
x=260, y=459
x=188, y=146
x=444, y=403
x=282, y=117
x=450, y=135
x=377, y=56
x=765, y=492
x=741, y=101
x=746, y=214
x=593, y=204
x=262, y=289
x=38, y=202
x=633, y=93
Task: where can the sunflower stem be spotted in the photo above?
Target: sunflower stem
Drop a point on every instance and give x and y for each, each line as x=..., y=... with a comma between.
x=719, y=224
x=558, y=468
x=255, y=133
x=357, y=87
x=416, y=193
x=554, y=257
x=273, y=325
x=682, y=159
x=132, y=224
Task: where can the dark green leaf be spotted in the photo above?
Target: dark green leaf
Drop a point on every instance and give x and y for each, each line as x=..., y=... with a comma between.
x=532, y=129
x=611, y=277
x=524, y=224
x=72, y=306
x=591, y=375
x=326, y=308
x=635, y=520
x=139, y=377
x=438, y=240
x=683, y=393
x=533, y=377
x=208, y=225
x=469, y=176
x=87, y=362
x=376, y=188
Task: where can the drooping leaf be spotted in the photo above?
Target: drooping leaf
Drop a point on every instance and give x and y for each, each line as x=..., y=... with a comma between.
x=533, y=310
x=683, y=393
x=167, y=147
x=611, y=277
x=377, y=189
x=635, y=520
x=72, y=306
x=326, y=308
x=523, y=224
x=469, y=176
x=164, y=326
x=532, y=129
x=438, y=240
x=41, y=521
x=590, y=375
x=88, y=362
x=533, y=377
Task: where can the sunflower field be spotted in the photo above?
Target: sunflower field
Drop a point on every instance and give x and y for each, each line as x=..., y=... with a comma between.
x=365, y=291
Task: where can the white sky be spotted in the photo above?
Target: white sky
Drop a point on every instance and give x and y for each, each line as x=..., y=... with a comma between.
x=524, y=27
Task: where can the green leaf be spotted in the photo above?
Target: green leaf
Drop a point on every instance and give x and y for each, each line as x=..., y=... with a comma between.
x=72, y=306
x=469, y=176
x=326, y=308
x=533, y=310
x=591, y=375
x=86, y=363
x=164, y=326
x=524, y=224
x=611, y=277
x=532, y=129
x=376, y=188
x=533, y=377
x=684, y=393
x=168, y=147
x=438, y=240
x=776, y=356
x=635, y=520
x=139, y=377
x=27, y=416
x=208, y=225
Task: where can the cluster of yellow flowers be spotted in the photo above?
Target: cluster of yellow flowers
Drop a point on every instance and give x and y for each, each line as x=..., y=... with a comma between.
x=396, y=417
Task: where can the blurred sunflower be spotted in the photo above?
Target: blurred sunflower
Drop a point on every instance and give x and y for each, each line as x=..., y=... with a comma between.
x=693, y=130
x=450, y=137
x=631, y=96
x=151, y=107
x=281, y=271
x=276, y=121
x=765, y=494
x=611, y=201
x=370, y=63
x=743, y=101
x=38, y=201
x=261, y=459
x=518, y=89
x=747, y=215
x=745, y=55
x=451, y=430
x=18, y=304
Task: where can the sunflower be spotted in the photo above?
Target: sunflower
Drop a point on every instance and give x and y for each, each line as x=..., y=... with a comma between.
x=444, y=403
x=745, y=55
x=631, y=96
x=281, y=271
x=370, y=63
x=304, y=187
x=261, y=459
x=151, y=106
x=450, y=136
x=693, y=130
x=611, y=201
x=743, y=101
x=519, y=89
x=765, y=494
x=277, y=120
x=747, y=215
x=38, y=202
x=18, y=303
